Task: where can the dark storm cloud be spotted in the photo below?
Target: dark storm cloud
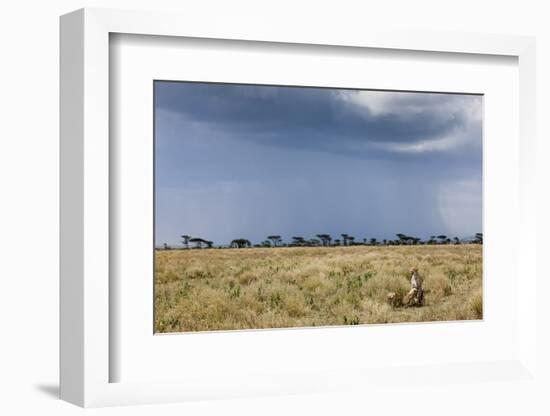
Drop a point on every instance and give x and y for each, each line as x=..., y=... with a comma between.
x=340, y=121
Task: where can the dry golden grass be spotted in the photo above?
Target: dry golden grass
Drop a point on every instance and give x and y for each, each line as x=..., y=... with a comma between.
x=224, y=289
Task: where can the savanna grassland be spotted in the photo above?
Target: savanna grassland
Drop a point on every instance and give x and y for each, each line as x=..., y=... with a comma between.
x=225, y=289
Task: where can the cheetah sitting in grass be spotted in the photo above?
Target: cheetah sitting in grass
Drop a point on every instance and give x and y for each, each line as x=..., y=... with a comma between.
x=415, y=297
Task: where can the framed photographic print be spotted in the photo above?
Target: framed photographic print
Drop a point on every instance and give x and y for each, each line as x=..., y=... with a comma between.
x=262, y=213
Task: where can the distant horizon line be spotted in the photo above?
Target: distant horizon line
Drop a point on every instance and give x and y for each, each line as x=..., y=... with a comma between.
x=316, y=241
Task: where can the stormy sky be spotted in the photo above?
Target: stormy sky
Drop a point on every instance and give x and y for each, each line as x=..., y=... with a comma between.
x=247, y=161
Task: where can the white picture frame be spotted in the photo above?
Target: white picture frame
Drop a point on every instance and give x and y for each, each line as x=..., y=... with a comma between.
x=86, y=353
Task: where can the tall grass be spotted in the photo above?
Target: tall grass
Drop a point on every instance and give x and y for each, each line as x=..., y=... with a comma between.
x=215, y=289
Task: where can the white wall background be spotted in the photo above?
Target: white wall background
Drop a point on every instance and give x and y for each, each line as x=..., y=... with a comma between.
x=29, y=185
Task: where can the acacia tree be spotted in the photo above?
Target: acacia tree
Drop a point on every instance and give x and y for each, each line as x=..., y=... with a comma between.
x=456, y=240
x=240, y=243
x=402, y=238
x=408, y=239
x=197, y=241
x=208, y=243
x=185, y=240
x=299, y=241
x=478, y=238
x=275, y=239
x=345, y=238
x=442, y=238
x=351, y=239
x=325, y=239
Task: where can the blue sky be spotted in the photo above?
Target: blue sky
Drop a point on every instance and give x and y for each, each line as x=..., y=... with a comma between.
x=247, y=161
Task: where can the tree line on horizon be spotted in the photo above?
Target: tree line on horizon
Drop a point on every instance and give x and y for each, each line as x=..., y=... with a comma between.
x=326, y=240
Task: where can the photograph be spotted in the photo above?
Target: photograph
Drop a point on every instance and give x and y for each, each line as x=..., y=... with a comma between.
x=297, y=206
